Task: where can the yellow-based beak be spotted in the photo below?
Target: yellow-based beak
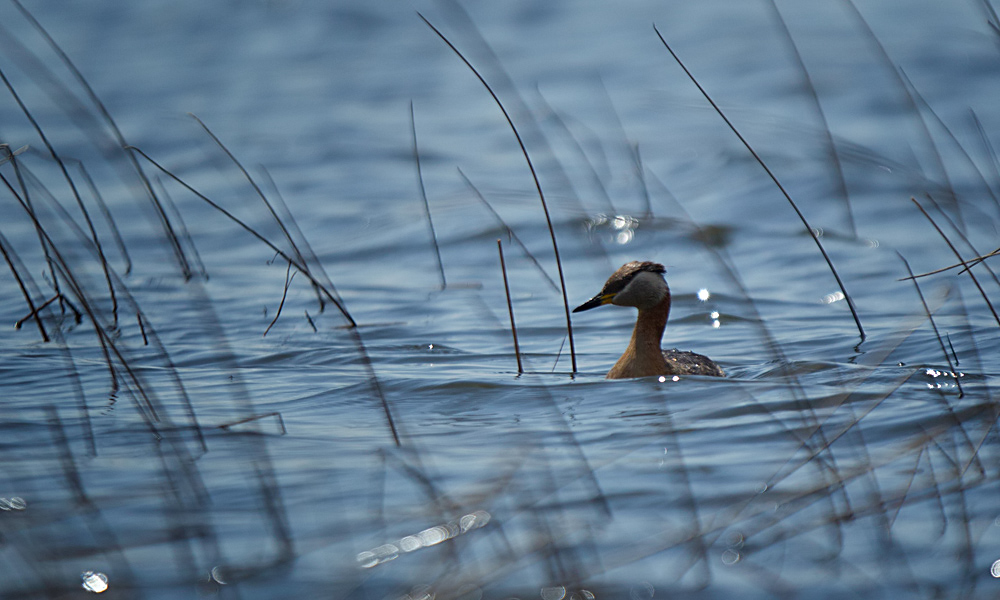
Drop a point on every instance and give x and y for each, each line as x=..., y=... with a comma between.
x=598, y=300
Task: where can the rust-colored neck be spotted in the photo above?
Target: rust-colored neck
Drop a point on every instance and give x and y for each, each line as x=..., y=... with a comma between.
x=644, y=357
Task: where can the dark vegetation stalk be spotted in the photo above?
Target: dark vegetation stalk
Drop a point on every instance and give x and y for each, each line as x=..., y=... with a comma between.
x=142, y=328
x=24, y=290
x=959, y=256
x=810, y=88
x=813, y=426
x=534, y=176
x=256, y=189
x=781, y=188
x=991, y=152
x=908, y=98
x=961, y=151
x=277, y=416
x=991, y=16
x=972, y=262
x=303, y=268
x=298, y=265
x=304, y=247
x=511, y=235
x=181, y=229
x=937, y=334
x=560, y=124
x=119, y=138
x=289, y=276
x=121, y=373
x=510, y=309
x=969, y=263
x=34, y=313
x=640, y=172
x=29, y=209
x=423, y=196
x=72, y=186
x=108, y=218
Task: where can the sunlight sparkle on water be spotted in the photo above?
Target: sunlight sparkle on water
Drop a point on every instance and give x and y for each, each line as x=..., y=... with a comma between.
x=428, y=537
x=94, y=582
x=13, y=503
x=704, y=294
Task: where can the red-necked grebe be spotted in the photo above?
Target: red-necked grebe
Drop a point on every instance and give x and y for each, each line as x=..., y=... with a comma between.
x=641, y=284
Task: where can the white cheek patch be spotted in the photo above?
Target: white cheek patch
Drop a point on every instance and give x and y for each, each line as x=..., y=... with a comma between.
x=645, y=289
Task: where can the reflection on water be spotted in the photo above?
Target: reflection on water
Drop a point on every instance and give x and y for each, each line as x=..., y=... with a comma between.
x=618, y=228
x=431, y=536
x=94, y=582
x=163, y=446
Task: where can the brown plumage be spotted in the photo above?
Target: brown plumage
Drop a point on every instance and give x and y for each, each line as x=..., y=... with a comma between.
x=641, y=284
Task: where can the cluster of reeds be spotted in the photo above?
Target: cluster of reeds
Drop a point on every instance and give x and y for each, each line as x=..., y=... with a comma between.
x=835, y=475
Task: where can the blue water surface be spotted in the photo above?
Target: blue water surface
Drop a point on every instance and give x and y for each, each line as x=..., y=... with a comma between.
x=221, y=427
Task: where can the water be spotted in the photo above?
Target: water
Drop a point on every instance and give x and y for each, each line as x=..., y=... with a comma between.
x=226, y=462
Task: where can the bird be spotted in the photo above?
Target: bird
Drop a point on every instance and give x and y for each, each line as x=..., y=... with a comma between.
x=642, y=285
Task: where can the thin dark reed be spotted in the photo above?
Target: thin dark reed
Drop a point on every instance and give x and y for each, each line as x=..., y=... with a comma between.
x=8, y=154
x=303, y=243
x=142, y=328
x=990, y=410
x=34, y=312
x=108, y=217
x=26, y=203
x=840, y=182
x=965, y=239
x=311, y=324
x=4, y=244
x=930, y=317
x=969, y=263
x=951, y=347
x=256, y=188
x=117, y=134
x=112, y=354
x=73, y=189
x=959, y=256
x=301, y=267
x=534, y=176
x=991, y=16
x=781, y=188
x=910, y=102
x=510, y=309
x=375, y=384
x=359, y=343
x=183, y=235
x=423, y=196
x=961, y=152
x=289, y=276
x=640, y=173
x=560, y=124
x=816, y=452
x=627, y=147
x=511, y=234
x=991, y=152
x=277, y=416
